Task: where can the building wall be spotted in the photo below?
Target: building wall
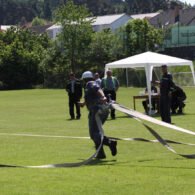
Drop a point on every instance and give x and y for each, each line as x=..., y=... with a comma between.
x=192, y=23
x=120, y=22
x=98, y=28
x=53, y=32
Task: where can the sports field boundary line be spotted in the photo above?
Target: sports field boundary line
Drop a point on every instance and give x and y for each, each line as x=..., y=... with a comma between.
x=46, y=136
x=77, y=137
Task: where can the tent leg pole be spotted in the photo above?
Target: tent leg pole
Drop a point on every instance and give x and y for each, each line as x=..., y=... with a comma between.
x=127, y=79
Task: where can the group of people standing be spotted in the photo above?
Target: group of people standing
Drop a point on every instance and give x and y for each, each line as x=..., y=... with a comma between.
x=108, y=84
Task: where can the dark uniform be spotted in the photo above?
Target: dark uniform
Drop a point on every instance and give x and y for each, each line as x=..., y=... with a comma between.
x=153, y=100
x=93, y=103
x=166, y=86
x=74, y=89
x=177, y=100
x=110, y=86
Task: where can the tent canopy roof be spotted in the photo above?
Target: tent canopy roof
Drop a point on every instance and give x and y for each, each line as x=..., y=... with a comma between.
x=148, y=59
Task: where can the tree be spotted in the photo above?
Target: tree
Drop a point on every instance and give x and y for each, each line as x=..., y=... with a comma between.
x=47, y=10
x=55, y=73
x=37, y=22
x=20, y=54
x=139, y=36
x=76, y=32
x=102, y=49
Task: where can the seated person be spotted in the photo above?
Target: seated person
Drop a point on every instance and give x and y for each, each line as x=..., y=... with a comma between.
x=177, y=100
x=154, y=101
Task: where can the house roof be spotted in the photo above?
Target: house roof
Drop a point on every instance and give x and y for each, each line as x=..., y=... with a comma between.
x=100, y=20
x=186, y=16
x=142, y=16
x=40, y=29
x=55, y=26
x=26, y=25
x=107, y=19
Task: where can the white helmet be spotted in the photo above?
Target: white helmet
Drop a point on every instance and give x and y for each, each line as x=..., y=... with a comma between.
x=87, y=74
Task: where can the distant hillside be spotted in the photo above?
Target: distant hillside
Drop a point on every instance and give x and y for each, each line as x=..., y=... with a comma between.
x=18, y=12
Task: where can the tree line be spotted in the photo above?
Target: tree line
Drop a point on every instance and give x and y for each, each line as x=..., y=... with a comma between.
x=28, y=60
x=18, y=12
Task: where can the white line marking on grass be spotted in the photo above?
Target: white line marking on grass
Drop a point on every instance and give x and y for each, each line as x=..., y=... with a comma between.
x=36, y=135
x=72, y=137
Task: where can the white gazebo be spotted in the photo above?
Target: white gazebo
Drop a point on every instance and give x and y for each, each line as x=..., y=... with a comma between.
x=148, y=60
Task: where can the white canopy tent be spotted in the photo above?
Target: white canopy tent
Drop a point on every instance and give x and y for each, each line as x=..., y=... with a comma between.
x=148, y=60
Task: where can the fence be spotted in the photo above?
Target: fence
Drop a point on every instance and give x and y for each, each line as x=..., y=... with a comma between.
x=180, y=36
x=184, y=79
x=137, y=78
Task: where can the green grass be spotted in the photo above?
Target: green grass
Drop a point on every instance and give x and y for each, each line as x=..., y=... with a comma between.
x=138, y=168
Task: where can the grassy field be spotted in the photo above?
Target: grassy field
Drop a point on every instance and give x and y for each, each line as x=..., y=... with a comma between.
x=138, y=168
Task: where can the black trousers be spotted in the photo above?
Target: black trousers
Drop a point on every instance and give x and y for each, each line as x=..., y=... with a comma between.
x=146, y=102
x=94, y=130
x=73, y=101
x=165, y=104
x=177, y=102
x=112, y=94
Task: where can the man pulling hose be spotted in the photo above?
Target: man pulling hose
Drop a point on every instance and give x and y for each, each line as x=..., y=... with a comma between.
x=95, y=101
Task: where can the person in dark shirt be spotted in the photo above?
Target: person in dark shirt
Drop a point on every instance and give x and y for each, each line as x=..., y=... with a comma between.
x=166, y=86
x=177, y=100
x=74, y=89
x=95, y=101
x=153, y=100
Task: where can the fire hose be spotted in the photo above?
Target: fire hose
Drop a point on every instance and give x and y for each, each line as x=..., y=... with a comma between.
x=135, y=115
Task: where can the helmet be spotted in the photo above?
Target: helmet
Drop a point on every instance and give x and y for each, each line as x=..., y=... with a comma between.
x=87, y=74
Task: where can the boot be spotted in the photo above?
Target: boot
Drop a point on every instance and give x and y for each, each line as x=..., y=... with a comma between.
x=179, y=111
x=101, y=153
x=112, y=145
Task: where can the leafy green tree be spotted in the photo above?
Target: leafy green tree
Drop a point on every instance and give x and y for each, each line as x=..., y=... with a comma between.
x=102, y=49
x=47, y=10
x=11, y=11
x=55, y=73
x=37, y=22
x=76, y=33
x=138, y=36
x=20, y=54
x=23, y=21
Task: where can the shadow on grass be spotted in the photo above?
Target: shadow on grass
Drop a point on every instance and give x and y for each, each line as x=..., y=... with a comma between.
x=183, y=114
x=118, y=117
x=101, y=162
x=163, y=167
x=146, y=160
x=167, y=167
x=72, y=119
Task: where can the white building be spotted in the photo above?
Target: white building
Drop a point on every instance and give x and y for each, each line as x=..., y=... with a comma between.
x=101, y=22
x=53, y=31
x=143, y=16
x=110, y=21
x=5, y=27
